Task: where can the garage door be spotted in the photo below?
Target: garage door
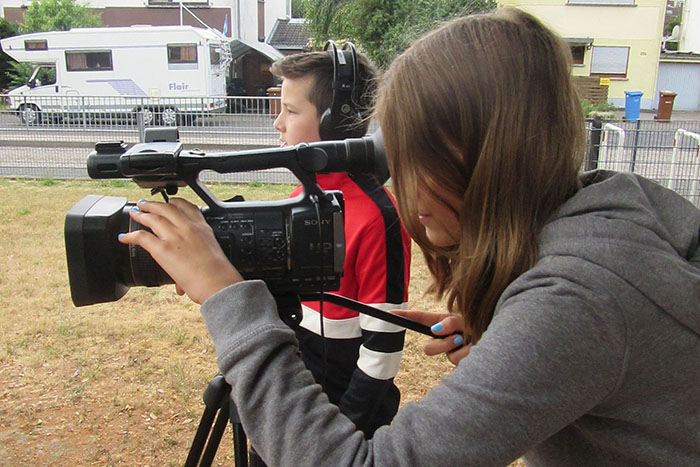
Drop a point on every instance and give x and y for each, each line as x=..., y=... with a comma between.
x=684, y=80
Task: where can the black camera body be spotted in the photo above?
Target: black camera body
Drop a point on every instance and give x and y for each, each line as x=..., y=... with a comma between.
x=296, y=246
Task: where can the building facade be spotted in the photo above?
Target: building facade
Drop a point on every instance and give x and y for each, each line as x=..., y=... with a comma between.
x=617, y=41
x=679, y=69
x=251, y=20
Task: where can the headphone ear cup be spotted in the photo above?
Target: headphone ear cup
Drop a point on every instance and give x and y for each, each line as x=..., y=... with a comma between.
x=326, y=127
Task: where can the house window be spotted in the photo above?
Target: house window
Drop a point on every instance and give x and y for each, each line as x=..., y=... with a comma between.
x=35, y=44
x=89, y=61
x=578, y=47
x=610, y=61
x=214, y=55
x=577, y=54
x=602, y=2
x=182, y=53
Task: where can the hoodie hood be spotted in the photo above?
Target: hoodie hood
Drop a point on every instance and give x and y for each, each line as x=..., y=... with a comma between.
x=639, y=230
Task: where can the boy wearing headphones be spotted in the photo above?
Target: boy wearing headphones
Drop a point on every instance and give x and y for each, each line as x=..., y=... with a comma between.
x=328, y=96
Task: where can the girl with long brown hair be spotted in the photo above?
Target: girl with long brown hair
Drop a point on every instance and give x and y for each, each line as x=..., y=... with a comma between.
x=579, y=292
x=501, y=131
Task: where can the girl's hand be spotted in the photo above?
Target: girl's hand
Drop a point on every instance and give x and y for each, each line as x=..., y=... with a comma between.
x=450, y=331
x=183, y=244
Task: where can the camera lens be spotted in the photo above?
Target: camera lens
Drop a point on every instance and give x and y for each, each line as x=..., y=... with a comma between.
x=100, y=268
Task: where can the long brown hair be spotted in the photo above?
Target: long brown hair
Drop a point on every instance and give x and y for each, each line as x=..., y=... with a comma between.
x=484, y=108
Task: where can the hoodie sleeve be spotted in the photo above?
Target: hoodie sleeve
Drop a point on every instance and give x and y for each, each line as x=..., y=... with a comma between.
x=551, y=353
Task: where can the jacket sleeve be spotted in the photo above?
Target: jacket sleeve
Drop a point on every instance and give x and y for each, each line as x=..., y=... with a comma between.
x=381, y=273
x=551, y=353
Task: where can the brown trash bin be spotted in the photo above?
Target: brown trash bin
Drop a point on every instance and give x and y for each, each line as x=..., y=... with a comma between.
x=665, y=109
x=275, y=92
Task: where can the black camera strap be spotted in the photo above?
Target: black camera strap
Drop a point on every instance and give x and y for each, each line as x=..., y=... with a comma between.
x=314, y=201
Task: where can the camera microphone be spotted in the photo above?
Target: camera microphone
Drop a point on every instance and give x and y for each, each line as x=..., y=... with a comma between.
x=162, y=161
x=352, y=155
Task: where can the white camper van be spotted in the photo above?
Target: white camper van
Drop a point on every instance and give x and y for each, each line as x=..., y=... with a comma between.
x=168, y=74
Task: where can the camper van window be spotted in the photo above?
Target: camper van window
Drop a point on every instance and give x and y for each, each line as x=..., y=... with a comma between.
x=182, y=53
x=43, y=75
x=36, y=45
x=46, y=75
x=89, y=61
x=214, y=54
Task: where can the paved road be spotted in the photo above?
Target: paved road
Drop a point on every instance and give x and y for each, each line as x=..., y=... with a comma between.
x=213, y=131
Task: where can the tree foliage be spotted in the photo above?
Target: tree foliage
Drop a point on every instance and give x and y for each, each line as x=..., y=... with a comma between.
x=42, y=15
x=6, y=29
x=671, y=22
x=325, y=18
x=383, y=28
x=18, y=73
x=58, y=15
x=297, y=9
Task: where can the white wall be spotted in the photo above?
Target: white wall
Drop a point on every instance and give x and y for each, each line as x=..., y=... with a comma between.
x=249, y=16
x=248, y=9
x=690, y=27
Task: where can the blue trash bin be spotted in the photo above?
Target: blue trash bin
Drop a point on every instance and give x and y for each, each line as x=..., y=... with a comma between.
x=633, y=100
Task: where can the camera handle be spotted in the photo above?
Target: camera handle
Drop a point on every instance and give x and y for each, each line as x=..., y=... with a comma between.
x=217, y=396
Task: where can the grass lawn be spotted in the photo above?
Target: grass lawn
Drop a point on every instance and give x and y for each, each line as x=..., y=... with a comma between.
x=118, y=383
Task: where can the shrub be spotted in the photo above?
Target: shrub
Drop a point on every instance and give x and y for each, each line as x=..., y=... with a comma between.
x=600, y=109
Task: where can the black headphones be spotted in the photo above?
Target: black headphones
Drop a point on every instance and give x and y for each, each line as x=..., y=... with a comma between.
x=340, y=120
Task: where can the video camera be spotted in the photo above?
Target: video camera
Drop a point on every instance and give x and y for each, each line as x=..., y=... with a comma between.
x=295, y=245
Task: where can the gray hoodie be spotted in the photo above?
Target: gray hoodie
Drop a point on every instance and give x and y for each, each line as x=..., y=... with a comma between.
x=592, y=357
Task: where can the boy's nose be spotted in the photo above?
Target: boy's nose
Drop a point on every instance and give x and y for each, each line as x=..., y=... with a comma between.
x=277, y=125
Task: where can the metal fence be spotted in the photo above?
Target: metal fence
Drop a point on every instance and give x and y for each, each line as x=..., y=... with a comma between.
x=54, y=139
x=666, y=152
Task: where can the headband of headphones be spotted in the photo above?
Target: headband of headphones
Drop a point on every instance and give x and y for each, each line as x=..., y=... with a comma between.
x=340, y=119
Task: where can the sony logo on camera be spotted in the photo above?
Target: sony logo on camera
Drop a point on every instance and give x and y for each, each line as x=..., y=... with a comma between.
x=316, y=222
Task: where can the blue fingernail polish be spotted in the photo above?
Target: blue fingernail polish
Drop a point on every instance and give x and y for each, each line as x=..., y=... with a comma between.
x=134, y=209
x=120, y=235
x=458, y=340
x=142, y=201
x=436, y=327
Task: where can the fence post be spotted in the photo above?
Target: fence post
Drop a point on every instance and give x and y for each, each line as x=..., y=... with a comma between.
x=82, y=106
x=674, y=160
x=24, y=101
x=139, y=122
x=594, y=148
x=604, y=145
x=634, y=148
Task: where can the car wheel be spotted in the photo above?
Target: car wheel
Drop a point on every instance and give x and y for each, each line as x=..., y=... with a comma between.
x=147, y=115
x=169, y=116
x=29, y=114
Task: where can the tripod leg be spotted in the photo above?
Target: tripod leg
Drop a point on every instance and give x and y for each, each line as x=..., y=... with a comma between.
x=255, y=460
x=201, y=436
x=243, y=455
x=240, y=440
x=216, y=394
x=217, y=432
x=240, y=445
